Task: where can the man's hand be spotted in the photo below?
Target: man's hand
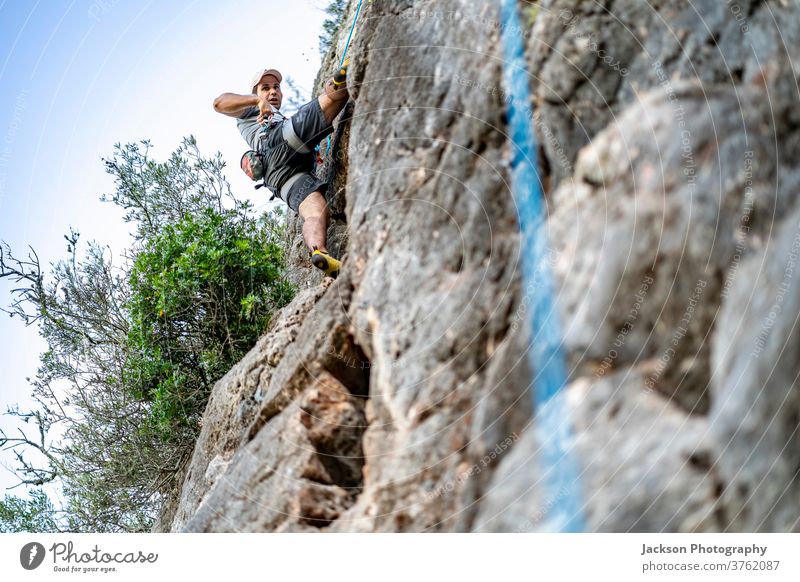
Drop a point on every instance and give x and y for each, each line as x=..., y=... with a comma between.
x=265, y=111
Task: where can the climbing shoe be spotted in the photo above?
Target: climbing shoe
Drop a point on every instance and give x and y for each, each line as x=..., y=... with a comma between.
x=340, y=78
x=325, y=263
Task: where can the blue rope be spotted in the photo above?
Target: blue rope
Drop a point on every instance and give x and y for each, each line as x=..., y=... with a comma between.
x=344, y=55
x=352, y=28
x=552, y=424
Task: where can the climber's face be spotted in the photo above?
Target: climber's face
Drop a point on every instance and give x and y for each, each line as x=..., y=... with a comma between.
x=269, y=88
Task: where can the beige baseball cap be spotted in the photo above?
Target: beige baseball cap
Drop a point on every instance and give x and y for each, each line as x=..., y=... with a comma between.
x=261, y=74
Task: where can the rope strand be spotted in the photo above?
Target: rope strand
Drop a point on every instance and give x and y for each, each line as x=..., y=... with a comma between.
x=552, y=424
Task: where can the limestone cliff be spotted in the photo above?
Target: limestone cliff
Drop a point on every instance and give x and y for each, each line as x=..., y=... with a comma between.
x=396, y=398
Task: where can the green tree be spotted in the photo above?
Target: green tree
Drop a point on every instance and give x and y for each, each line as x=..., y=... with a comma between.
x=134, y=349
x=335, y=10
x=35, y=514
x=202, y=291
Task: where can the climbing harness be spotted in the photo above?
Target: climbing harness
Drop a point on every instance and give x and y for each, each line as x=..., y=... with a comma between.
x=252, y=162
x=552, y=424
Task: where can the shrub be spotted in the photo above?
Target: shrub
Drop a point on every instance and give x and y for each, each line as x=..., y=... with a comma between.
x=134, y=349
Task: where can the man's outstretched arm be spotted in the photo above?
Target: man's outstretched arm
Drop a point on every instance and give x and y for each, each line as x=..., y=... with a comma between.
x=234, y=105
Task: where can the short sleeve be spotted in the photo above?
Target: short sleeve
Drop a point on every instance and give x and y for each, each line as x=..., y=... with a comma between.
x=249, y=112
x=248, y=126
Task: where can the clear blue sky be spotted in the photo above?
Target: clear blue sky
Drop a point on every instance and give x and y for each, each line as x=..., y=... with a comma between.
x=78, y=76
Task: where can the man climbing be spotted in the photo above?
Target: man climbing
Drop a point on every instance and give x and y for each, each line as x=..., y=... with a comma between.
x=286, y=146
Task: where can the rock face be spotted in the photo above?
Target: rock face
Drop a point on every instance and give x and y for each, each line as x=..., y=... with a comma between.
x=397, y=397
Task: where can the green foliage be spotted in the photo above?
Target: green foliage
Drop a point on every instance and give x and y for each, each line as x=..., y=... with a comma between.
x=330, y=27
x=155, y=194
x=134, y=349
x=35, y=514
x=202, y=291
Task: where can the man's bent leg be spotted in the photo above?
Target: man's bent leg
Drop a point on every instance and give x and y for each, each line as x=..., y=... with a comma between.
x=315, y=214
x=335, y=95
x=332, y=100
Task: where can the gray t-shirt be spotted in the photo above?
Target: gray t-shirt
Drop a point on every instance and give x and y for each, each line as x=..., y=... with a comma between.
x=249, y=127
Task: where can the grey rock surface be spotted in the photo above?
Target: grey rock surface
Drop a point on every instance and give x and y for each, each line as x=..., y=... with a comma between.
x=646, y=281
x=233, y=401
x=591, y=60
x=659, y=481
x=397, y=398
x=755, y=415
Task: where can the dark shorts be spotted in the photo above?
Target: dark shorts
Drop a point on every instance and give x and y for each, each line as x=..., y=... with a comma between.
x=304, y=185
x=290, y=155
x=309, y=124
